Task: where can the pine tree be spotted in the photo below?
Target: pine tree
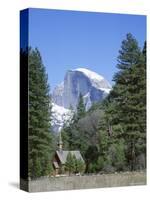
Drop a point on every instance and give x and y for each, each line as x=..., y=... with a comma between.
x=140, y=77
x=126, y=102
x=80, y=166
x=67, y=128
x=40, y=138
x=71, y=133
x=80, y=108
x=70, y=165
x=104, y=161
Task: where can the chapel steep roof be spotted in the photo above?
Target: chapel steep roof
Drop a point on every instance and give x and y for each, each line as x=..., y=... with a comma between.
x=62, y=155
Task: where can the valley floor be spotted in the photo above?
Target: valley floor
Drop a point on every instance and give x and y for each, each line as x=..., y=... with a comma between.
x=87, y=181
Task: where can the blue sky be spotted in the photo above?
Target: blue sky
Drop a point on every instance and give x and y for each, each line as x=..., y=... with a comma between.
x=73, y=39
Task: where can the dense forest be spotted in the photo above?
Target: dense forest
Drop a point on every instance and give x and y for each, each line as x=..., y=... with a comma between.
x=111, y=135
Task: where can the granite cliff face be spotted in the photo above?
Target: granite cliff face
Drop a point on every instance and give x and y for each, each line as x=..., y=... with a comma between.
x=92, y=86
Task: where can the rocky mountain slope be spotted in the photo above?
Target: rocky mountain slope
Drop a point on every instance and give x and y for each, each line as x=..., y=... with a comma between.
x=91, y=85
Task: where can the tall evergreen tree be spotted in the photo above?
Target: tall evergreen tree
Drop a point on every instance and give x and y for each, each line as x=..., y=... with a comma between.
x=81, y=110
x=126, y=102
x=71, y=133
x=40, y=138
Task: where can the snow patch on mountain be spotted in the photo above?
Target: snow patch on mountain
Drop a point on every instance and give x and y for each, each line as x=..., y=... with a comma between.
x=95, y=78
x=87, y=101
x=60, y=115
x=106, y=90
x=92, y=75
